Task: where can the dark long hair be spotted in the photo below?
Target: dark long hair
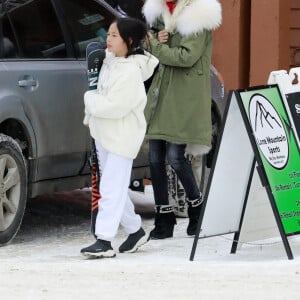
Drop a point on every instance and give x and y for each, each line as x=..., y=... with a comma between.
x=133, y=32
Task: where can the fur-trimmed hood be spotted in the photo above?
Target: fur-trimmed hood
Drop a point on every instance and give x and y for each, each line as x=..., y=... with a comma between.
x=189, y=16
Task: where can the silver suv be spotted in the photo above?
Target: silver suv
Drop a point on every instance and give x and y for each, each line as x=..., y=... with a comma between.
x=43, y=145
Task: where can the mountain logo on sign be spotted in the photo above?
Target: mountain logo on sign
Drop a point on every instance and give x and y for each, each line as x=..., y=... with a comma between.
x=264, y=118
x=269, y=131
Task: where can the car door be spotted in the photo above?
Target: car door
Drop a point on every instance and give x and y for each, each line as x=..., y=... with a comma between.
x=85, y=22
x=50, y=86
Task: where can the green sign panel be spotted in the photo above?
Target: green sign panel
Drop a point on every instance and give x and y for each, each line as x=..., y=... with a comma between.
x=277, y=149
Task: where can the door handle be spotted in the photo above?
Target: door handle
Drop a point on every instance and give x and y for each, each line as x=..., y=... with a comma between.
x=27, y=83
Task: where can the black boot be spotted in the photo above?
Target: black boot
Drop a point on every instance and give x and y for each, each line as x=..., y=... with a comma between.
x=164, y=222
x=194, y=210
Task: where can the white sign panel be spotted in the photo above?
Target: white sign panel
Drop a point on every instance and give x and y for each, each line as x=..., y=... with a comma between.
x=228, y=181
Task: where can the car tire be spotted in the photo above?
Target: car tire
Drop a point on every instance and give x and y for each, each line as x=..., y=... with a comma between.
x=13, y=188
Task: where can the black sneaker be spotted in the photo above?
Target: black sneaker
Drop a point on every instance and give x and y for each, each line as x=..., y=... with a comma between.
x=134, y=241
x=99, y=249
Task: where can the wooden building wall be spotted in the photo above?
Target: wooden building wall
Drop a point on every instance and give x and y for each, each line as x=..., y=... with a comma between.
x=269, y=39
x=256, y=37
x=231, y=43
x=295, y=33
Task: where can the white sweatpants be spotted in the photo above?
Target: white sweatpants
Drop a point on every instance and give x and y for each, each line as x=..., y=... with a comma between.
x=115, y=206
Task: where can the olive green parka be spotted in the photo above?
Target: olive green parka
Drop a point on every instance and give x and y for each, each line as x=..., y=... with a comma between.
x=179, y=99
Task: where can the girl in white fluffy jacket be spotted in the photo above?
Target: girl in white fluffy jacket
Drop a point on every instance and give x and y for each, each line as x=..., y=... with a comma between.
x=115, y=115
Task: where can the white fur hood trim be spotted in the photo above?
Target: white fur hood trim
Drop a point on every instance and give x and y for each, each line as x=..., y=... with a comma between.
x=189, y=16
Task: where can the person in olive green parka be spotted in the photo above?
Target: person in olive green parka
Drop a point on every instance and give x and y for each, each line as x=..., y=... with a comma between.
x=178, y=110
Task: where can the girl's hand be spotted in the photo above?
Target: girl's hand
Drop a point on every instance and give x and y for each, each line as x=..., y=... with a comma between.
x=163, y=36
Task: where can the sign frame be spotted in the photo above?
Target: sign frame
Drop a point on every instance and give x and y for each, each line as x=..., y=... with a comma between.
x=260, y=168
x=220, y=187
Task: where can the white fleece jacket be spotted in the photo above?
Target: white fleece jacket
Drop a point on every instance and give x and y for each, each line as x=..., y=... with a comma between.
x=114, y=111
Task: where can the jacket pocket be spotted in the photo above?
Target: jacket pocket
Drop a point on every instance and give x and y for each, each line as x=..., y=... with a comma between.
x=197, y=69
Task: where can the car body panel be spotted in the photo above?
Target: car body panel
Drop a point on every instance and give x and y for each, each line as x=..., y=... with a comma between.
x=54, y=112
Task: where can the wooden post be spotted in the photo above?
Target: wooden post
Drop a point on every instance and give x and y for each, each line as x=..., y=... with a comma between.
x=270, y=39
x=231, y=49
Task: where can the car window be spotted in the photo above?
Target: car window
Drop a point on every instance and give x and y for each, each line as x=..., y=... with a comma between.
x=88, y=21
x=32, y=28
x=8, y=44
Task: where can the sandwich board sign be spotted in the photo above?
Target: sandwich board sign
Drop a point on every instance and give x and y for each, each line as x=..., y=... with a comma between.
x=268, y=140
x=258, y=221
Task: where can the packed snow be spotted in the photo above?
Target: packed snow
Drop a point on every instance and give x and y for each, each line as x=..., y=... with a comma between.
x=44, y=261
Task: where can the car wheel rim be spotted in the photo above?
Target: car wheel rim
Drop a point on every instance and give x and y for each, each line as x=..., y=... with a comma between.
x=9, y=190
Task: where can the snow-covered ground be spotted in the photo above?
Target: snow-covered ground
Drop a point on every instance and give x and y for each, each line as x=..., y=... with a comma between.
x=43, y=262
